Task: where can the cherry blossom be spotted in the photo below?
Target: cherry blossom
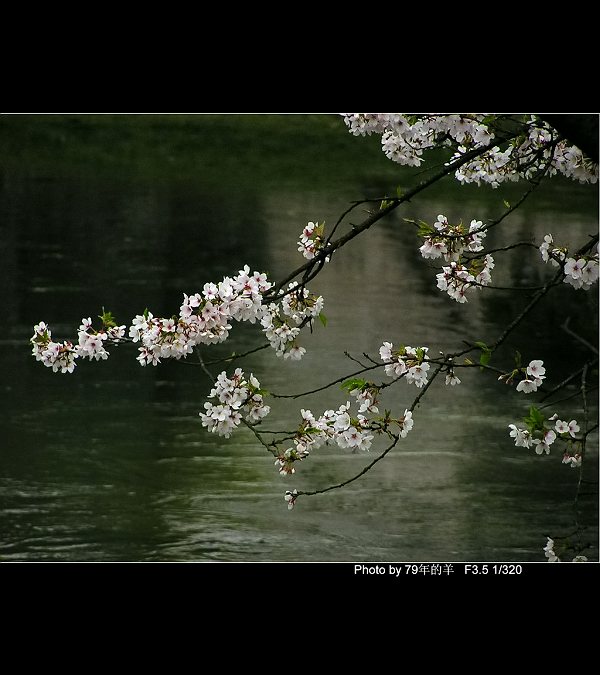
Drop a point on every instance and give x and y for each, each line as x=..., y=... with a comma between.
x=406, y=423
x=580, y=272
x=290, y=497
x=238, y=398
x=534, y=379
x=312, y=240
x=61, y=356
x=404, y=139
x=543, y=445
x=452, y=379
x=549, y=551
x=522, y=436
x=574, y=461
x=409, y=362
x=285, y=461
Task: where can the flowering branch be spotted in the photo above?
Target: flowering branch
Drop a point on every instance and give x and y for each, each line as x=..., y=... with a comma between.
x=484, y=149
x=393, y=204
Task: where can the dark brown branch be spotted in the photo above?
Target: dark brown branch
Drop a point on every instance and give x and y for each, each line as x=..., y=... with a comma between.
x=357, y=476
x=574, y=335
x=566, y=381
x=375, y=217
x=536, y=298
x=326, y=386
x=581, y=130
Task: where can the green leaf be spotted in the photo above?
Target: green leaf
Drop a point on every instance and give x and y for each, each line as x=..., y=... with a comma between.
x=399, y=192
x=486, y=353
x=352, y=384
x=507, y=204
x=146, y=313
x=107, y=319
x=535, y=420
x=517, y=358
x=323, y=319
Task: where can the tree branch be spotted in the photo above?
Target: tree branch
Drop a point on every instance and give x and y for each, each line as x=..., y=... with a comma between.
x=375, y=217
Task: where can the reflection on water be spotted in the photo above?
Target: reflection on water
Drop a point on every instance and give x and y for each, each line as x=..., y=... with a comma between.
x=112, y=463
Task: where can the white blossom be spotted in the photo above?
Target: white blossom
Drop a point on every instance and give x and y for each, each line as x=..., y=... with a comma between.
x=290, y=498
x=522, y=436
x=237, y=398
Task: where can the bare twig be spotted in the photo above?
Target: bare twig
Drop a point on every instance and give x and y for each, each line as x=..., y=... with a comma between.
x=326, y=386
x=358, y=475
x=566, y=381
x=574, y=335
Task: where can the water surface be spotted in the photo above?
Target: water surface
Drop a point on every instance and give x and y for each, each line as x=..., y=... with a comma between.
x=111, y=463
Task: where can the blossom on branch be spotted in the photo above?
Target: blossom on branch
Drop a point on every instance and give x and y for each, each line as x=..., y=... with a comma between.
x=405, y=137
x=238, y=398
x=581, y=272
x=409, y=362
x=312, y=240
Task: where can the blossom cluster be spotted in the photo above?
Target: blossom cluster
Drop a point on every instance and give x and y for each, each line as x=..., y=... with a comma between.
x=339, y=427
x=540, y=436
x=404, y=138
x=581, y=272
x=61, y=356
x=312, y=240
x=450, y=242
x=204, y=318
x=282, y=321
x=535, y=374
x=552, y=556
x=408, y=362
x=237, y=398
x=456, y=279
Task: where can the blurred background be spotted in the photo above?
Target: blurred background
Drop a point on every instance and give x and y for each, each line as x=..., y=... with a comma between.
x=112, y=463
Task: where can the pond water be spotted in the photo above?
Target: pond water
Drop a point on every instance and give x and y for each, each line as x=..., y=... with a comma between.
x=111, y=463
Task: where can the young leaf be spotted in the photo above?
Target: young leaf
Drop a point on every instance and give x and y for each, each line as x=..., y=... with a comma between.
x=323, y=319
x=354, y=383
x=486, y=353
x=107, y=319
x=535, y=420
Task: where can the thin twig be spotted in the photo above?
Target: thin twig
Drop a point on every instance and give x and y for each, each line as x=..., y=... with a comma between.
x=235, y=357
x=574, y=335
x=358, y=475
x=203, y=366
x=352, y=358
x=393, y=204
x=553, y=404
x=566, y=381
x=536, y=298
x=326, y=386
